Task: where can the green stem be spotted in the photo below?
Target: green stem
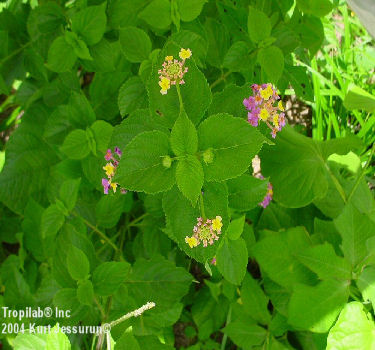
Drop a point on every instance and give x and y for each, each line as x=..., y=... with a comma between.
x=337, y=184
x=180, y=97
x=203, y=214
x=95, y=229
x=362, y=173
x=219, y=80
x=15, y=52
x=225, y=337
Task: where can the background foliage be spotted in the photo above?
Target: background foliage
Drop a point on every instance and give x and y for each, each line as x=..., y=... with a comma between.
x=79, y=77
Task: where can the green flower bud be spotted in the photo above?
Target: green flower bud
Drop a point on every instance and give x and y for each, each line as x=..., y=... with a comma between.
x=167, y=161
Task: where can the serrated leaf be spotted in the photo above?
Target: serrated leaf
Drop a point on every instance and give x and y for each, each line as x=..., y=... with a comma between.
x=258, y=25
x=77, y=263
x=189, y=10
x=57, y=340
x=245, y=335
x=60, y=48
x=76, y=145
x=142, y=168
x=69, y=192
x=135, y=44
x=233, y=142
x=52, y=221
x=189, y=177
x=366, y=284
x=157, y=14
x=184, y=138
x=109, y=276
x=102, y=133
x=85, y=292
x=132, y=96
x=271, y=59
x=235, y=228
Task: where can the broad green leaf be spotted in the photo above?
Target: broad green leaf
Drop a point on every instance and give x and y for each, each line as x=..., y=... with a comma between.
x=357, y=98
x=218, y=42
x=258, y=25
x=79, y=46
x=102, y=133
x=69, y=192
x=135, y=44
x=238, y=56
x=34, y=64
x=76, y=145
x=354, y=329
x=189, y=177
x=57, y=340
x=366, y=284
x=232, y=142
x=52, y=221
x=235, y=228
x=77, y=263
x=109, y=276
x=127, y=342
x=254, y=300
x=321, y=304
x=189, y=10
x=90, y=23
x=181, y=218
x=157, y=14
x=245, y=335
x=323, y=260
x=284, y=268
x=58, y=49
x=26, y=341
x=132, y=96
x=310, y=31
x=85, y=292
x=355, y=228
x=297, y=166
x=66, y=299
x=300, y=82
x=246, y=192
x=146, y=165
x=317, y=8
x=271, y=59
x=108, y=210
x=196, y=94
x=158, y=280
x=184, y=138
x=231, y=260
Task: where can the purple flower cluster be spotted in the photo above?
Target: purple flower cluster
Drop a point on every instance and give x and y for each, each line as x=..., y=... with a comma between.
x=268, y=198
x=113, y=160
x=263, y=106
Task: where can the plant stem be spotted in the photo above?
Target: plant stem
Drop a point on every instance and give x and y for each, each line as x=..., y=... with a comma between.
x=338, y=186
x=225, y=337
x=219, y=80
x=179, y=97
x=201, y=204
x=95, y=229
x=134, y=313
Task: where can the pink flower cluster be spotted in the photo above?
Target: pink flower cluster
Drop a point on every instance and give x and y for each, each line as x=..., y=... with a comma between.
x=268, y=198
x=113, y=160
x=263, y=106
x=205, y=231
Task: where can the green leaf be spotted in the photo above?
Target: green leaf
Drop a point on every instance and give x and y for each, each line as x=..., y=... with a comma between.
x=357, y=98
x=245, y=335
x=233, y=142
x=196, y=94
x=302, y=161
x=238, y=56
x=90, y=23
x=158, y=280
x=25, y=341
x=254, y=301
x=69, y=192
x=102, y=133
x=127, y=342
x=321, y=304
x=76, y=145
x=323, y=260
x=135, y=44
x=181, y=218
x=284, y=268
x=184, y=138
x=146, y=164
x=271, y=59
x=57, y=340
x=317, y=8
x=189, y=177
x=58, y=49
x=246, y=192
x=366, y=284
x=354, y=329
x=79, y=46
x=109, y=276
x=355, y=228
x=132, y=96
x=235, y=228
x=108, y=210
x=300, y=81
x=231, y=260
x=190, y=10
x=157, y=14
x=77, y=263
x=85, y=292
x=258, y=25
x=52, y=221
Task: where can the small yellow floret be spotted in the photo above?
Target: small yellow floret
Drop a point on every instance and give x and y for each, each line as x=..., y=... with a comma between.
x=169, y=58
x=217, y=224
x=280, y=106
x=264, y=114
x=165, y=84
x=185, y=54
x=114, y=186
x=267, y=92
x=276, y=120
x=192, y=241
x=109, y=169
